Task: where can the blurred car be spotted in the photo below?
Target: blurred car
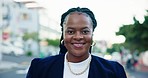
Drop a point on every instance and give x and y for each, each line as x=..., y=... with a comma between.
x=8, y=48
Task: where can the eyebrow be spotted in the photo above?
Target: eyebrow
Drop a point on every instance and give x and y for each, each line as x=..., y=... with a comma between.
x=80, y=28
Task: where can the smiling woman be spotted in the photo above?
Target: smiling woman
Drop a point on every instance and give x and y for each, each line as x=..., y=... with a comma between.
x=74, y=59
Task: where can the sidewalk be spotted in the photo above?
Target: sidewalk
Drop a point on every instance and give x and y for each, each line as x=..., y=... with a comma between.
x=142, y=68
x=4, y=65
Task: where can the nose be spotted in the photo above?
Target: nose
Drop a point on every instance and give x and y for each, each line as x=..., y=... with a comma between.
x=78, y=36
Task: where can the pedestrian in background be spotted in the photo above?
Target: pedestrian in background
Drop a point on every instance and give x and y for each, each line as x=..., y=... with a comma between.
x=75, y=59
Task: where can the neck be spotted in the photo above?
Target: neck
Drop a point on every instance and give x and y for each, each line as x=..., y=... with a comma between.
x=77, y=59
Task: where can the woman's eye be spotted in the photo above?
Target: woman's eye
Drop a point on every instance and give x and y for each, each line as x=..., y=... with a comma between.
x=85, y=32
x=70, y=32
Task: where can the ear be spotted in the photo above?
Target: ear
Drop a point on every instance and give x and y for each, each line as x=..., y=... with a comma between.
x=64, y=43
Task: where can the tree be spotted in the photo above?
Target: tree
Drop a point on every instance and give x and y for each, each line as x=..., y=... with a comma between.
x=52, y=42
x=33, y=35
x=114, y=48
x=136, y=35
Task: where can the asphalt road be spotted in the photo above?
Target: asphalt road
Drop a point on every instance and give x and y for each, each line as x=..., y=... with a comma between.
x=16, y=72
x=137, y=74
x=12, y=73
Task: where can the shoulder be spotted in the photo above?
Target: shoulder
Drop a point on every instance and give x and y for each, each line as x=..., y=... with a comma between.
x=47, y=60
x=109, y=65
x=104, y=61
x=39, y=66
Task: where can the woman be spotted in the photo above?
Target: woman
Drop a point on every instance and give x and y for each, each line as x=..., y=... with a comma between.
x=75, y=60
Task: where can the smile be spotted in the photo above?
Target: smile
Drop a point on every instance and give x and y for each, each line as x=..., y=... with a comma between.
x=78, y=45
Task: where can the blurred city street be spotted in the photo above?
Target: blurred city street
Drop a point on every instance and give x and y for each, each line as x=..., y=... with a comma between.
x=16, y=67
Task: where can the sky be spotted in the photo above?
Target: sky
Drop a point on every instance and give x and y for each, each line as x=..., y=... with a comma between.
x=110, y=14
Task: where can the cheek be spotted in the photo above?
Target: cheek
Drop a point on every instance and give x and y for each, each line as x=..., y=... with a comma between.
x=67, y=40
x=89, y=39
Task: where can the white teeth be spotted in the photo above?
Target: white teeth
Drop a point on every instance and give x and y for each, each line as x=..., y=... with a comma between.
x=78, y=45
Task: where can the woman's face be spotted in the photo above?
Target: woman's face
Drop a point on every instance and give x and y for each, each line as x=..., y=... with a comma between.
x=77, y=33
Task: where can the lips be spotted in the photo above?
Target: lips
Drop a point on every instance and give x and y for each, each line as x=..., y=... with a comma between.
x=78, y=45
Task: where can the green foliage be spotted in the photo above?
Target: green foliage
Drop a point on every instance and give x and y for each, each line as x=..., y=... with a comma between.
x=29, y=53
x=114, y=48
x=55, y=42
x=33, y=35
x=136, y=35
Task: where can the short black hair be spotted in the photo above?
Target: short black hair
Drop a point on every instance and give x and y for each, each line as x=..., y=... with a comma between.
x=64, y=15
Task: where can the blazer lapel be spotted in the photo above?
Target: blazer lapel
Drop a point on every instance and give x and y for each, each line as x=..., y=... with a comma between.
x=94, y=71
x=57, y=68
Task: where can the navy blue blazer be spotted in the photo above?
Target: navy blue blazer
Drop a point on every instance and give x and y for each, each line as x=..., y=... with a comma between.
x=53, y=67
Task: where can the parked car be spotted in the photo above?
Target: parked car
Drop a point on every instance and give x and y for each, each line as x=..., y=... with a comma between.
x=8, y=48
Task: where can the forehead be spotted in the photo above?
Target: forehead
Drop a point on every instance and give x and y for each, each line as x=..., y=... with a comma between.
x=78, y=18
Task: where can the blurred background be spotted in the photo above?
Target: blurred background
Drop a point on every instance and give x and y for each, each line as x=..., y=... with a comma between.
x=31, y=28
